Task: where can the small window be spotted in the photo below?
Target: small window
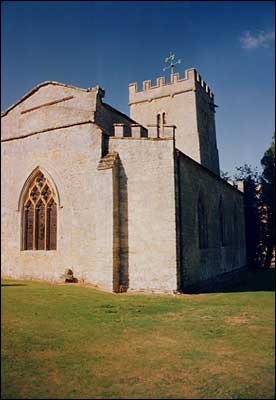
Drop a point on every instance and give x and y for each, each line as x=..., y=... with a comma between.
x=236, y=237
x=158, y=124
x=221, y=223
x=164, y=118
x=161, y=121
x=202, y=225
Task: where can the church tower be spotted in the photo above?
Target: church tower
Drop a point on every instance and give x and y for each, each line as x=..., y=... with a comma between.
x=186, y=103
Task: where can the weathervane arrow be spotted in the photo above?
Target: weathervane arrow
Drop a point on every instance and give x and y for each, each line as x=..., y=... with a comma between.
x=172, y=63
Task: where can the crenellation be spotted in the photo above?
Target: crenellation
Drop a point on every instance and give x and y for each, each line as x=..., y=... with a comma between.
x=138, y=131
x=175, y=78
x=146, y=85
x=119, y=130
x=204, y=86
x=162, y=88
x=133, y=87
x=161, y=81
x=152, y=131
x=189, y=74
x=134, y=130
x=169, y=131
x=198, y=78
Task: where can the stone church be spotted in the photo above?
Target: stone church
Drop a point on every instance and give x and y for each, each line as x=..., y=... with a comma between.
x=127, y=203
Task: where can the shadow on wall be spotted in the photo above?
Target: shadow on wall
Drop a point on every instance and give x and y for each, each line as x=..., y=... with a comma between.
x=123, y=230
x=242, y=281
x=179, y=227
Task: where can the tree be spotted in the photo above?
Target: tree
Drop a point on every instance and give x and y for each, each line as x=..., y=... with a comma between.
x=268, y=201
x=259, y=202
x=246, y=172
x=224, y=175
x=251, y=179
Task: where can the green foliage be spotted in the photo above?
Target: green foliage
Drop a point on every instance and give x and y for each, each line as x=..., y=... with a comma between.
x=224, y=175
x=260, y=209
x=70, y=342
x=268, y=163
x=247, y=173
x=268, y=201
x=251, y=178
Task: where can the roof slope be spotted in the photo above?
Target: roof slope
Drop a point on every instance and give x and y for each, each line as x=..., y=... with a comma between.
x=50, y=105
x=36, y=88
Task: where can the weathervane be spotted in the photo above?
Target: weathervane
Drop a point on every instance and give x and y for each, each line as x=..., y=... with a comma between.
x=170, y=59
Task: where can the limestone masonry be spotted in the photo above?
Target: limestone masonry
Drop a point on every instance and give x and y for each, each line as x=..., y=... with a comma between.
x=126, y=203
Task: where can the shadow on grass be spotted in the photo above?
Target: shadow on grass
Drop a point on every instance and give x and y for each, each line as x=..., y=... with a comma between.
x=245, y=281
x=13, y=284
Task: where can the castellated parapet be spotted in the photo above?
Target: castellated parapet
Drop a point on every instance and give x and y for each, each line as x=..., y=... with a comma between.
x=186, y=103
x=125, y=191
x=191, y=81
x=137, y=131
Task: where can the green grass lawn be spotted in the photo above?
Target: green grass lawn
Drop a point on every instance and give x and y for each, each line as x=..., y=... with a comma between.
x=76, y=342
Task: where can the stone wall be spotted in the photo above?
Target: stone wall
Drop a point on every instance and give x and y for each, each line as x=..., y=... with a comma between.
x=127, y=207
x=180, y=111
x=205, y=112
x=185, y=102
x=69, y=158
x=50, y=105
x=197, y=265
x=147, y=212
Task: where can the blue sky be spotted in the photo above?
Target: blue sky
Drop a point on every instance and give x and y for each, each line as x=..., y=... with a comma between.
x=230, y=43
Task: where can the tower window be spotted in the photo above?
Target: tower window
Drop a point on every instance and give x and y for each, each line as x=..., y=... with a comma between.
x=158, y=124
x=161, y=121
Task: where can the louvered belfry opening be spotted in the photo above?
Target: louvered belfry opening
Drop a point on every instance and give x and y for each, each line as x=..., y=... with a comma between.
x=39, y=216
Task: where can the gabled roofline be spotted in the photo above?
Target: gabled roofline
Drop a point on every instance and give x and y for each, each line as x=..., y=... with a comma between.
x=35, y=89
x=179, y=153
x=108, y=106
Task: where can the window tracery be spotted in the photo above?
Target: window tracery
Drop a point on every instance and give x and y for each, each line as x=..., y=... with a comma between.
x=39, y=216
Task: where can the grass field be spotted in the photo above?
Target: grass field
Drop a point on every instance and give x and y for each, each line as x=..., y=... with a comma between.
x=75, y=342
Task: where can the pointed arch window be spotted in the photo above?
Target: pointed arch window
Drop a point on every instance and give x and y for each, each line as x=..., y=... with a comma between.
x=222, y=223
x=202, y=224
x=28, y=225
x=164, y=119
x=39, y=227
x=158, y=124
x=236, y=232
